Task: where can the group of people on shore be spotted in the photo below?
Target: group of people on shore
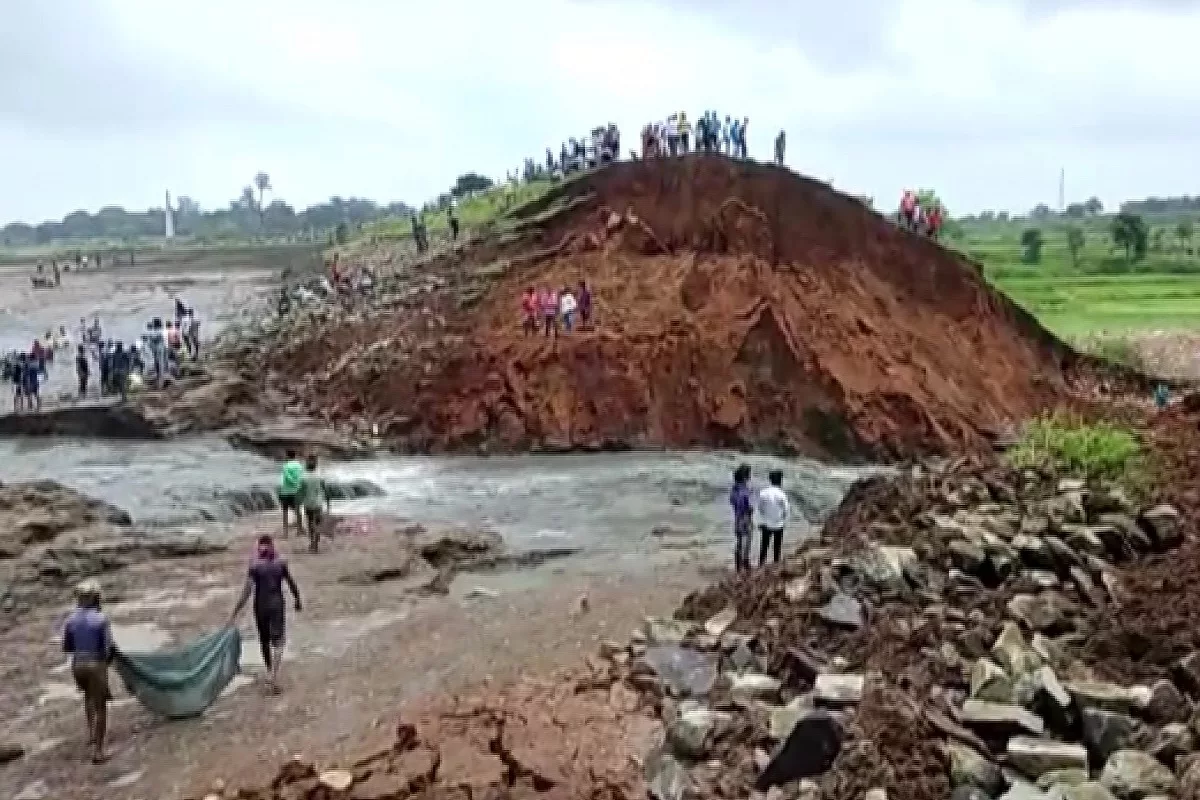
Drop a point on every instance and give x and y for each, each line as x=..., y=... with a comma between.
x=675, y=136
x=923, y=217
x=547, y=309
x=773, y=509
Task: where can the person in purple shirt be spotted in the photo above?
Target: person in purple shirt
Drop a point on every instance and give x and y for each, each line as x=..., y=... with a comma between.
x=87, y=636
x=264, y=579
x=743, y=517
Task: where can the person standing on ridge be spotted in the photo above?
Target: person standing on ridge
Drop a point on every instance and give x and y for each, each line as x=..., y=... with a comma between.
x=780, y=143
x=726, y=130
x=685, y=133
x=291, y=480
x=31, y=384
x=549, y=303
x=567, y=306
x=742, y=136
x=264, y=579
x=529, y=311
x=743, y=517
x=773, y=514
x=453, y=225
x=87, y=637
x=585, y=304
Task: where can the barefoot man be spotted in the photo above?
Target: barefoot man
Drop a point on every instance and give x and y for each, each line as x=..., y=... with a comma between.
x=265, y=578
x=87, y=636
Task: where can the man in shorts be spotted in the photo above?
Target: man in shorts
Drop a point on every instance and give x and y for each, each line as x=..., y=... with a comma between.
x=87, y=636
x=315, y=502
x=291, y=480
x=264, y=579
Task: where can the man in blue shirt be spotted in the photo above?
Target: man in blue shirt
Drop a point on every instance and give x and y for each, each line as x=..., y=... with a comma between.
x=87, y=636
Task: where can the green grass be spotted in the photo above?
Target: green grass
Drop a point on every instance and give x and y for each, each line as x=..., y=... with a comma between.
x=1097, y=299
x=1098, y=451
x=474, y=212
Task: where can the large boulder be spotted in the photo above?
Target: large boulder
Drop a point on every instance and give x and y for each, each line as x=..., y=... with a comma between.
x=990, y=682
x=969, y=768
x=1107, y=732
x=810, y=749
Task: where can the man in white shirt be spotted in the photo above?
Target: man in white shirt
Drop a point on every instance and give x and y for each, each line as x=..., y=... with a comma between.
x=773, y=513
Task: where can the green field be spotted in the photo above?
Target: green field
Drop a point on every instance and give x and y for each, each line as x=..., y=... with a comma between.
x=1098, y=292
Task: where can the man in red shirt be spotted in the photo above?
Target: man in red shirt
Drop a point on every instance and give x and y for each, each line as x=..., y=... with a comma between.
x=934, y=221
x=908, y=204
x=529, y=310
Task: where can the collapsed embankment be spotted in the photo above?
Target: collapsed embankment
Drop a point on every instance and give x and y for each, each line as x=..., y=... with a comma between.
x=736, y=304
x=960, y=630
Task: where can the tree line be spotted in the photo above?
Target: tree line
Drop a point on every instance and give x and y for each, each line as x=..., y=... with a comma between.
x=248, y=216
x=1127, y=232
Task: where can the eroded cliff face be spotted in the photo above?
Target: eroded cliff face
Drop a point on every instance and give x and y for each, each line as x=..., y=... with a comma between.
x=736, y=304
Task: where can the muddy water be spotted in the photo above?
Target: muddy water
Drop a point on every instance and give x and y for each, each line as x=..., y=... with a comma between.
x=622, y=505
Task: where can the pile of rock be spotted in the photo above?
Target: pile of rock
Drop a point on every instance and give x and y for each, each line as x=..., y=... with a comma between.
x=935, y=642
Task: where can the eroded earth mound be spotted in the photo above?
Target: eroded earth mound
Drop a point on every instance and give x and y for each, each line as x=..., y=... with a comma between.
x=736, y=304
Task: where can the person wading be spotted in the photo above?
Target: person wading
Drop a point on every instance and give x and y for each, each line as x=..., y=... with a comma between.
x=264, y=579
x=773, y=513
x=315, y=502
x=743, y=517
x=87, y=636
x=291, y=480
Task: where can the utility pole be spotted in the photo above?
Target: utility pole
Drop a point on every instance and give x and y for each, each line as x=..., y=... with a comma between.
x=168, y=219
x=1062, y=190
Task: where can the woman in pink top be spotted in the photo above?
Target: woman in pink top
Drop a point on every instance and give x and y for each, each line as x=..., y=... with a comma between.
x=549, y=303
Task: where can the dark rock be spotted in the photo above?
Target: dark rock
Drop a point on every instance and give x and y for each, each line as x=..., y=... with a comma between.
x=1034, y=551
x=1106, y=732
x=967, y=557
x=844, y=611
x=1186, y=672
x=1167, y=704
x=10, y=751
x=1164, y=525
x=810, y=749
x=352, y=490
x=1052, y=702
x=803, y=663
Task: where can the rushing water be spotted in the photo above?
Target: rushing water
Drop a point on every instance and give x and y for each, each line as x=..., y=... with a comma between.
x=603, y=503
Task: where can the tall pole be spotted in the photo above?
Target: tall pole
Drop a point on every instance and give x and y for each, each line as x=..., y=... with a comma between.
x=1062, y=190
x=168, y=219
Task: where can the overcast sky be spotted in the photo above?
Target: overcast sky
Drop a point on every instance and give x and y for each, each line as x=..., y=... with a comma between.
x=115, y=101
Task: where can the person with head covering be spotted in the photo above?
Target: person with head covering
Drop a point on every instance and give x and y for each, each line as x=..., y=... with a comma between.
x=265, y=578
x=87, y=636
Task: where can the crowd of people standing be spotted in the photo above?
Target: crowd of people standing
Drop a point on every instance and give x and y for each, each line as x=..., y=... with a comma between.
x=547, y=310
x=921, y=216
x=774, y=512
x=676, y=136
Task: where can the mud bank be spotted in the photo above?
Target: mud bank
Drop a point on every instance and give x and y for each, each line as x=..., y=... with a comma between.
x=101, y=421
x=736, y=305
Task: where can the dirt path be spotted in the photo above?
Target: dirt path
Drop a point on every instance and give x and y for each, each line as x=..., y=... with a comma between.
x=357, y=653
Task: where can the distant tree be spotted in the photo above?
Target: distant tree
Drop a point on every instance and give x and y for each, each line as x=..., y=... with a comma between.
x=1075, y=243
x=469, y=184
x=1002, y=216
x=987, y=215
x=1094, y=207
x=1031, y=244
x=1041, y=212
x=342, y=233
x=1158, y=240
x=1129, y=232
x=1076, y=211
x=1184, y=231
x=262, y=181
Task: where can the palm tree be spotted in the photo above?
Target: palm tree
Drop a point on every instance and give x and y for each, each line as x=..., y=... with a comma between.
x=263, y=181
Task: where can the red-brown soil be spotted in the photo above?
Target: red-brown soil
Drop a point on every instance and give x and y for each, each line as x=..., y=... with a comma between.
x=737, y=304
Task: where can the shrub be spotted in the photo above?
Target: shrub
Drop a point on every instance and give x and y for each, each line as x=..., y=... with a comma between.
x=1097, y=451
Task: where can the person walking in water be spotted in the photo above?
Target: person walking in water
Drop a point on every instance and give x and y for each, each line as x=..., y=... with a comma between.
x=264, y=579
x=314, y=501
x=87, y=637
x=773, y=514
x=291, y=480
x=743, y=517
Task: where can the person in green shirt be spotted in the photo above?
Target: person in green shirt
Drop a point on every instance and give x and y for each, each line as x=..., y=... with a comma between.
x=315, y=501
x=291, y=480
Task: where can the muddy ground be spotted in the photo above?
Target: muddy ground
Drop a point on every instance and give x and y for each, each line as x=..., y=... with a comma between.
x=358, y=652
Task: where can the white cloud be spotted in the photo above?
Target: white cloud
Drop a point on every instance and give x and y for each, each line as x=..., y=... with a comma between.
x=113, y=101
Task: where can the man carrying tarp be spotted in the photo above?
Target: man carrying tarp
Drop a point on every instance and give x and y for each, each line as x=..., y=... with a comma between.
x=87, y=636
x=264, y=579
